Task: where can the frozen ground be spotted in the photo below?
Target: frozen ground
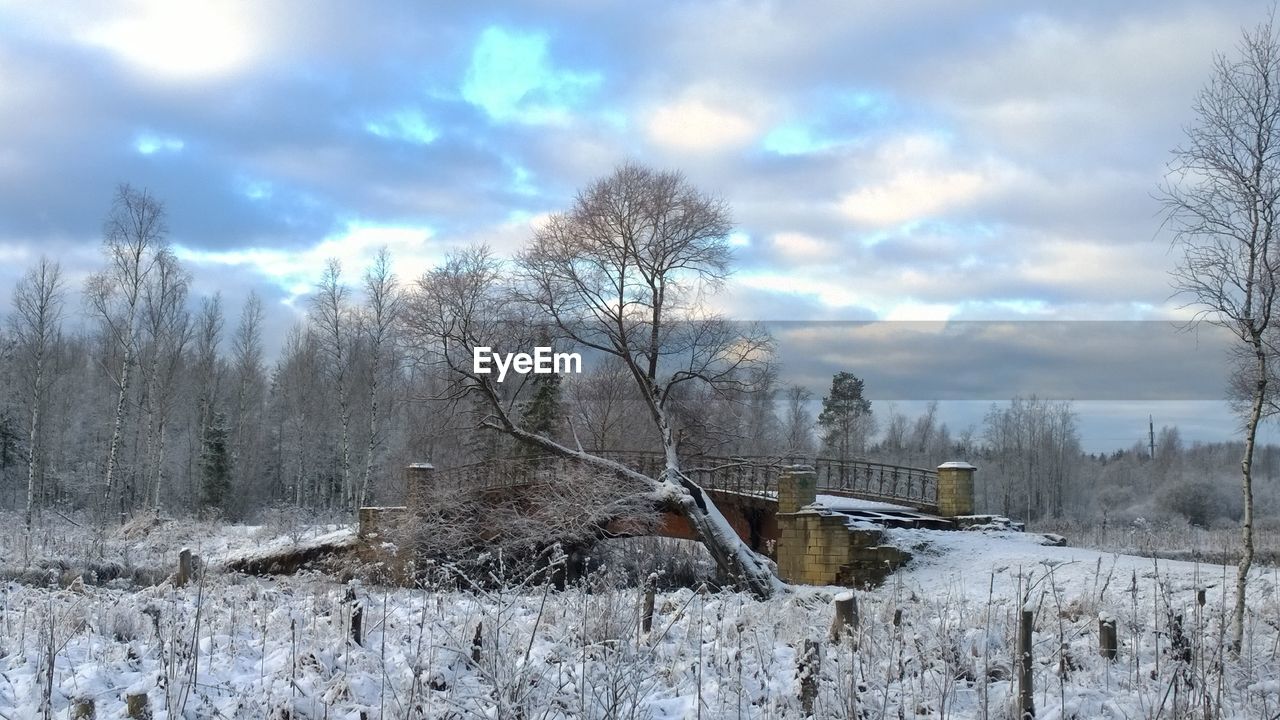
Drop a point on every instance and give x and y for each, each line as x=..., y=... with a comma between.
x=245, y=647
x=149, y=542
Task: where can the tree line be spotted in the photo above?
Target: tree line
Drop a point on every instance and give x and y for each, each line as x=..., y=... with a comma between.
x=141, y=397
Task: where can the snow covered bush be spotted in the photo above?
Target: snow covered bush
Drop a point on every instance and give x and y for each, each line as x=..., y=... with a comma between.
x=1202, y=503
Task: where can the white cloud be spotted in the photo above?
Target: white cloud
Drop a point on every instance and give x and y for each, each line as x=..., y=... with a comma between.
x=296, y=271
x=912, y=195
x=695, y=124
x=801, y=248
x=922, y=178
x=1052, y=77
x=187, y=40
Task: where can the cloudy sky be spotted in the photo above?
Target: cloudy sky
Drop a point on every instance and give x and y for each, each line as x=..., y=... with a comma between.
x=885, y=161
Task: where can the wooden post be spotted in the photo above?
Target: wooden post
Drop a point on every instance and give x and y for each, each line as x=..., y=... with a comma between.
x=1026, y=689
x=83, y=709
x=1179, y=645
x=1066, y=663
x=184, y=568
x=477, y=643
x=646, y=610
x=808, y=668
x=846, y=616
x=357, y=617
x=136, y=707
x=1108, y=647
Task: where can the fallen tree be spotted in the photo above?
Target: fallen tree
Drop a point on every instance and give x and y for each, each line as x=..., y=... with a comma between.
x=621, y=274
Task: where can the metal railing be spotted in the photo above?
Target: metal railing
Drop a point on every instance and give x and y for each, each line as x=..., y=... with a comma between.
x=744, y=475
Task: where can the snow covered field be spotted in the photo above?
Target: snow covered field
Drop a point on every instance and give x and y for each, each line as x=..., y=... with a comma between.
x=248, y=647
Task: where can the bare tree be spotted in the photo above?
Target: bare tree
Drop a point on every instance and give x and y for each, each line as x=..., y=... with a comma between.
x=622, y=273
x=38, y=305
x=603, y=403
x=1222, y=196
x=566, y=504
x=167, y=328
x=331, y=315
x=798, y=423
x=382, y=310
x=207, y=378
x=133, y=236
x=297, y=385
x=246, y=356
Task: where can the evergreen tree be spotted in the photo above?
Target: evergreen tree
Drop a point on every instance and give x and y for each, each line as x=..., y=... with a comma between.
x=845, y=416
x=215, y=464
x=10, y=441
x=542, y=413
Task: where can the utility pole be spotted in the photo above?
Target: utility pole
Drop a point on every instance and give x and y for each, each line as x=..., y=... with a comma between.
x=1151, y=436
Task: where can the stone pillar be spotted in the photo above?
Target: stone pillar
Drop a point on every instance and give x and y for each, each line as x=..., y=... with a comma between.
x=797, y=487
x=955, y=489
x=418, y=478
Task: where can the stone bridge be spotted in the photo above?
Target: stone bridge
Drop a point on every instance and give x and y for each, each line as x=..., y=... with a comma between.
x=821, y=519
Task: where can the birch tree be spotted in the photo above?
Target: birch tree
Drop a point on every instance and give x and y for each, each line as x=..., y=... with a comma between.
x=133, y=236
x=331, y=317
x=38, y=305
x=798, y=421
x=1222, y=196
x=247, y=359
x=167, y=328
x=382, y=310
x=207, y=378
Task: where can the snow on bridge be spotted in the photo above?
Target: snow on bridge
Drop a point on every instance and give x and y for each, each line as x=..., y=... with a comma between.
x=757, y=476
x=821, y=519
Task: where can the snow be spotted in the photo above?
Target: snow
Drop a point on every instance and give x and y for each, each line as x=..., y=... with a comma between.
x=1004, y=557
x=846, y=504
x=935, y=641
x=273, y=546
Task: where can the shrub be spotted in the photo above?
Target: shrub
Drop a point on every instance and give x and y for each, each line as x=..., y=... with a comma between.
x=1201, y=502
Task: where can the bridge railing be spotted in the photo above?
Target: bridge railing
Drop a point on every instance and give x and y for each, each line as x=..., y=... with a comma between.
x=892, y=483
x=746, y=475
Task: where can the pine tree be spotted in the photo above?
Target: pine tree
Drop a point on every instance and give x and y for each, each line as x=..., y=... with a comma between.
x=542, y=412
x=215, y=464
x=845, y=415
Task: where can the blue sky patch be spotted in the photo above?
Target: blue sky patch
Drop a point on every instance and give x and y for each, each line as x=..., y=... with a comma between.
x=511, y=78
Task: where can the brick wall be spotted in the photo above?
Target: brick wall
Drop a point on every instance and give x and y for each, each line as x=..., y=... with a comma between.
x=817, y=547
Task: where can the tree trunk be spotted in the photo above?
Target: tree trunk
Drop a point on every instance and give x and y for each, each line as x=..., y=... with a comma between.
x=149, y=454
x=1246, y=474
x=731, y=554
x=32, y=453
x=348, y=492
x=117, y=425
x=159, y=462
x=373, y=424
x=684, y=497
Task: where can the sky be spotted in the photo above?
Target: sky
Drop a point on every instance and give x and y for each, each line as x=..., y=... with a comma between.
x=897, y=162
